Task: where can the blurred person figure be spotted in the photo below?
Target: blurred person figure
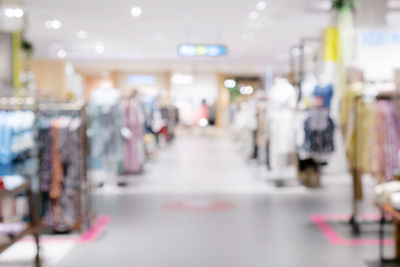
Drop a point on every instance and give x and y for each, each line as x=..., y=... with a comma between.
x=204, y=115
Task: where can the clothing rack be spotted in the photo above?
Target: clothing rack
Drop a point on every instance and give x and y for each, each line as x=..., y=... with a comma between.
x=17, y=103
x=79, y=108
x=355, y=172
x=34, y=228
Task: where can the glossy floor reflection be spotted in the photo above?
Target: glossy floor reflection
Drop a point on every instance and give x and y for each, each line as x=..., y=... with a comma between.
x=200, y=204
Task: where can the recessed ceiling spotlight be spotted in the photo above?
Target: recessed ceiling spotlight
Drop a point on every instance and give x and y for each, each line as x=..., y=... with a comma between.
x=61, y=53
x=99, y=48
x=53, y=24
x=253, y=15
x=230, y=84
x=246, y=90
x=136, y=12
x=261, y=5
x=82, y=35
x=14, y=12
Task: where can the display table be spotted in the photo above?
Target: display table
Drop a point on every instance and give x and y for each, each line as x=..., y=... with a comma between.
x=13, y=186
x=395, y=214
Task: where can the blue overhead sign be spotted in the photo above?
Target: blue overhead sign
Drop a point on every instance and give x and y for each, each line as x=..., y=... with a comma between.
x=379, y=38
x=191, y=50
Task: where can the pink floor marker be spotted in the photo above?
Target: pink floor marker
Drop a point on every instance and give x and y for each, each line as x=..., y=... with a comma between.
x=328, y=231
x=322, y=222
x=98, y=227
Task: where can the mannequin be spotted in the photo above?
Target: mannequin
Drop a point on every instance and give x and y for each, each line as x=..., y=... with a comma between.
x=282, y=127
x=106, y=128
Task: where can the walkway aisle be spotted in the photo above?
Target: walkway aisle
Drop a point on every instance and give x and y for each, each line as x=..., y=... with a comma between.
x=201, y=205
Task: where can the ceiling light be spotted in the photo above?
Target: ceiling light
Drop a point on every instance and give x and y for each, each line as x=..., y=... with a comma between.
x=229, y=83
x=14, y=12
x=261, y=5
x=53, y=24
x=246, y=90
x=182, y=79
x=99, y=48
x=253, y=15
x=136, y=12
x=61, y=53
x=82, y=35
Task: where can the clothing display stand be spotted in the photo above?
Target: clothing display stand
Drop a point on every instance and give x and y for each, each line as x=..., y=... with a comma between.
x=34, y=227
x=85, y=213
x=318, y=144
x=356, y=173
x=395, y=215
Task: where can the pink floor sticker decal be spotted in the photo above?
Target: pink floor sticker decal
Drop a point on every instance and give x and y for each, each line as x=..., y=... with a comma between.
x=97, y=228
x=322, y=221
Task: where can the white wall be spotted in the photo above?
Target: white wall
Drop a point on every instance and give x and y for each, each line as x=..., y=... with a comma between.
x=204, y=86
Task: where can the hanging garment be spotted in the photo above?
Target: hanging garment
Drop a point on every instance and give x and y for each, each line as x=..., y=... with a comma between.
x=262, y=127
x=61, y=160
x=319, y=140
x=392, y=138
x=16, y=141
x=375, y=139
x=133, y=146
x=325, y=93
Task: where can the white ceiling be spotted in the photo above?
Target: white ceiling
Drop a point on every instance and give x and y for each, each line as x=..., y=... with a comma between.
x=150, y=42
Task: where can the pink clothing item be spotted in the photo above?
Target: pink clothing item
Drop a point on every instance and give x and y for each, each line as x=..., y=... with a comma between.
x=131, y=161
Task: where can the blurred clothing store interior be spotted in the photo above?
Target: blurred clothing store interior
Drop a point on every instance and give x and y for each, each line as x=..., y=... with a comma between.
x=179, y=133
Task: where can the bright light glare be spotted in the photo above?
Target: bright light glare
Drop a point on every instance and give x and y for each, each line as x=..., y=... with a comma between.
x=203, y=122
x=246, y=90
x=261, y=5
x=253, y=15
x=14, y=12
x=136, y=12
x=99, y=48
x=62, y=53
x=53, y=24
x=82, y=35
x=229, y=83
x=182, y=79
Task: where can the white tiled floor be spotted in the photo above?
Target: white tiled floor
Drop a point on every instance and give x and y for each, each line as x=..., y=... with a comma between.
x=267, y=226
x=202, y=164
